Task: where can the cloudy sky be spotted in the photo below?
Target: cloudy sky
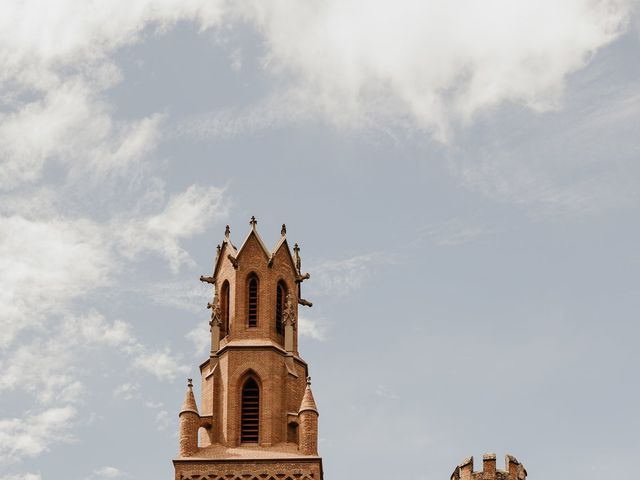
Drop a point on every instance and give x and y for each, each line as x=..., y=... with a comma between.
x=463, y=179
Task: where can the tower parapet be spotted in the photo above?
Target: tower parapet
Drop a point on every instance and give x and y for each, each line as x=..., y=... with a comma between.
x=514, y=470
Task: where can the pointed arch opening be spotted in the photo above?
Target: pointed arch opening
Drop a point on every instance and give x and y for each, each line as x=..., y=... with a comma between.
x=281, y=298
x=224, y=308
x=250, y=414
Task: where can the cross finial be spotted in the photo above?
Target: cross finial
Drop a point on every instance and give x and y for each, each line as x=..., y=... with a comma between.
x=296, y=248
x=308, y=381
x=227, y=231
x=190, y=382
x=218, y=248
x=253, y=222
x=283, y=231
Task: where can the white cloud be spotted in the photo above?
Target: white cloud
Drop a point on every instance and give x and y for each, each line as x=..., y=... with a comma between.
x=108, y=472
x=162, y=420
x=275, y=111
x=71, y=126
x=187, y=294
x=384, y=391
x=49, y=368
x=46, y=365
x=200, y=336
x=312, y=328
x=509, y=179
x=456, y=231
x=186, y=214
x=163, y=365
x=29, y=436
x=46, y=265
x=36, y=39
x=54, y=250
x=432, y=62
x=563, y=165
x=22, y=476
x=127, y=391
x=342, y=277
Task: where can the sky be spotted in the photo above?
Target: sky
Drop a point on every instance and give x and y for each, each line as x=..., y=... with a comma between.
x=463, y=180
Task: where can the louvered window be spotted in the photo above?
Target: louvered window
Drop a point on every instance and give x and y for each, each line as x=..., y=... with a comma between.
x=250, y=426
x=253, y=302
x=224, y=308
x=281, y=295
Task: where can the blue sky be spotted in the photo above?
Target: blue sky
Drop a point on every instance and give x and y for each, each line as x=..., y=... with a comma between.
x=462, y=178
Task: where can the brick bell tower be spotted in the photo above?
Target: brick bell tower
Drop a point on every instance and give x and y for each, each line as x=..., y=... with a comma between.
x=257, y=419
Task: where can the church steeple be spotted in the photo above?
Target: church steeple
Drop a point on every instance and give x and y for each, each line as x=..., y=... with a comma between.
x=256, y=401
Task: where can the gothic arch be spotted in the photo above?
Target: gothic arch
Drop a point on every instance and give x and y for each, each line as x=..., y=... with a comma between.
x=250, y=407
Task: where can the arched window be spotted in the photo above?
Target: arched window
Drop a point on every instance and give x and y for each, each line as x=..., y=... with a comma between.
x=250, y=416
x=252, y=304
x=224, y=308
x=281, y=298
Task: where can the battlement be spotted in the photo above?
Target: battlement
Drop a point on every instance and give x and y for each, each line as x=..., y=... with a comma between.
x=513, y=469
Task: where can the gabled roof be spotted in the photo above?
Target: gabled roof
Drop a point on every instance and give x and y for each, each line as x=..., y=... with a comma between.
x=283, y=243
x=254, y=232
x=226, y=248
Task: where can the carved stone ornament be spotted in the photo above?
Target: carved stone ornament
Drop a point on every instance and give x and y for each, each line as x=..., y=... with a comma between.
x=216, y=315
x=296, y=257
x=289, y=313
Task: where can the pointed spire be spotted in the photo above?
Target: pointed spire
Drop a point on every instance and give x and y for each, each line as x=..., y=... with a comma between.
x=253, y=222
x=283, y=230
x=308, y=403
x=189, y=404
x=227, y=231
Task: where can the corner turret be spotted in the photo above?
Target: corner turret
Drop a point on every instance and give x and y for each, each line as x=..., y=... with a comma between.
x=189, y=423
x=308, y=415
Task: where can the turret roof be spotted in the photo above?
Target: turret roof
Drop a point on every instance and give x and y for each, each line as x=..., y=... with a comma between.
x=308, y=403
x=189, y=404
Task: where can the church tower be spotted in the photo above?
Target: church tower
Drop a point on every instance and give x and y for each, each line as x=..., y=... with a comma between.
x=257, y=417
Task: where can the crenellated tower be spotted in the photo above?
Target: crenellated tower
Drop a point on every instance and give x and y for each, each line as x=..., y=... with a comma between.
x=513, y=469
x=257, y=417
